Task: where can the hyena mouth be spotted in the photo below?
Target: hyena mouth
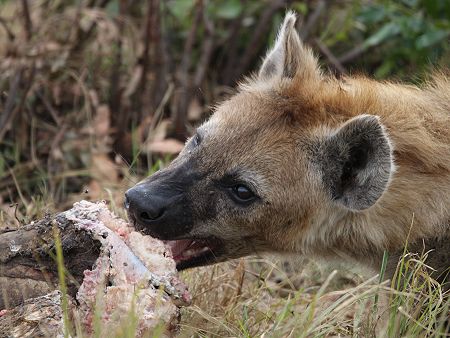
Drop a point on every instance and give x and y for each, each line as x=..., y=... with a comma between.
x=189, y=253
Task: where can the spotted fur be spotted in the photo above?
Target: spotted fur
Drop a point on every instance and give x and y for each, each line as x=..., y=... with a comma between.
x=344, y=167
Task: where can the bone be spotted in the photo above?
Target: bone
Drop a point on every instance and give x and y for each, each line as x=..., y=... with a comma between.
x=128, y=271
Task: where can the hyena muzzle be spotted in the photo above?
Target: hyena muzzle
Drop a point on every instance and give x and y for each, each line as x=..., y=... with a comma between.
x=298, y=161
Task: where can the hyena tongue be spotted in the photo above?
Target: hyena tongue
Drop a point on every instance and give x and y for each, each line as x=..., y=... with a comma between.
x=178, y=247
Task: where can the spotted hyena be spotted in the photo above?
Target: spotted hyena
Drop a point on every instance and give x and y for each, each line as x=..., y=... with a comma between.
x=301, y=162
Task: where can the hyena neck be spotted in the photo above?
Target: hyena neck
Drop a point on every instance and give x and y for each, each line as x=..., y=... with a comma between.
x=364, y=237
x=416, y=205
x=343, y=234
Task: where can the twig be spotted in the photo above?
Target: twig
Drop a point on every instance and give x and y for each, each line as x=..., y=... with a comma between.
x=160, y=58
x=179, y=115
x=8, y=112
x=49, y=107
x=27, y=18
x=10, y=34
x=151, y=62
x=159, y=110
x=207, y=49
x=16, y=205
x=143, y=60
x=166, y=44
x=330, y=56
x=114, y=90
x=257, y=39
x=19, y=192
x=81, y=35
x=10, y=108
x=186, y=60
x=352, y=54
x=232, y=49
x=33, y=154
x=19, y=170
x=55, y=143
x=312, y=19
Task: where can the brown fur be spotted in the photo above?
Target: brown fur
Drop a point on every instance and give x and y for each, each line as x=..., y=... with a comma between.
x=275, y=134
x=267, y=120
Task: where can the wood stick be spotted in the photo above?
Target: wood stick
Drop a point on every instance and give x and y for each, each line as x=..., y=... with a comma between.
x=27, y=265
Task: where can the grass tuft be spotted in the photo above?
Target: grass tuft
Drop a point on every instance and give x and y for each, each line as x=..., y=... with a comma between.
x=62, y=279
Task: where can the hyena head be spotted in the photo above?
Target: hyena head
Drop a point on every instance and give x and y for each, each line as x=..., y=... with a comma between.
x=269, y=168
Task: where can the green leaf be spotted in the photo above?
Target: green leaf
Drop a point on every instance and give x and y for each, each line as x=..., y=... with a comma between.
x=414, y=24
x=385, y=69
x=113, y=8
x=437, y=8
x=180, y=8
x=431, y=37
x=229, y=9
x=385, y=32
x=301, y=7
x=411, y=3
x=372, y=14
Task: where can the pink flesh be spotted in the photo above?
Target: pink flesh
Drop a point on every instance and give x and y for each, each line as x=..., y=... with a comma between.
x=177, y=247
x=127, y=260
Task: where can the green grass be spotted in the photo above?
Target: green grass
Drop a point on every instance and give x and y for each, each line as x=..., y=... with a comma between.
x=367, y=309
x=62, y=279
x=256, y=297
x=240, y=298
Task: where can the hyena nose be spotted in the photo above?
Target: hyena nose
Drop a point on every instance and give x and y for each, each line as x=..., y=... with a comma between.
x=143, y=208
x=160, y=208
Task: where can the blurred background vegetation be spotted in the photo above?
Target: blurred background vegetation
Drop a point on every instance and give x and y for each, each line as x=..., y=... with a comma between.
x=96, y=94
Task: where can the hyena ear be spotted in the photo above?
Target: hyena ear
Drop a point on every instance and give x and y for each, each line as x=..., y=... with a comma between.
x=358, y=163
x=289, y=57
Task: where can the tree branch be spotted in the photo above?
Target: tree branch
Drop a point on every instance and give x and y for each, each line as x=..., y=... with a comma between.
x=27, y=18
x=257, y=39
x=10, y=34
x=179, y=115
x=331, y=58
x=207, y=49
x=312, y=19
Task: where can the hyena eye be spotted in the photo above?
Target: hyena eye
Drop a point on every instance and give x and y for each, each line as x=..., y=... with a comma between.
x=243, y=193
